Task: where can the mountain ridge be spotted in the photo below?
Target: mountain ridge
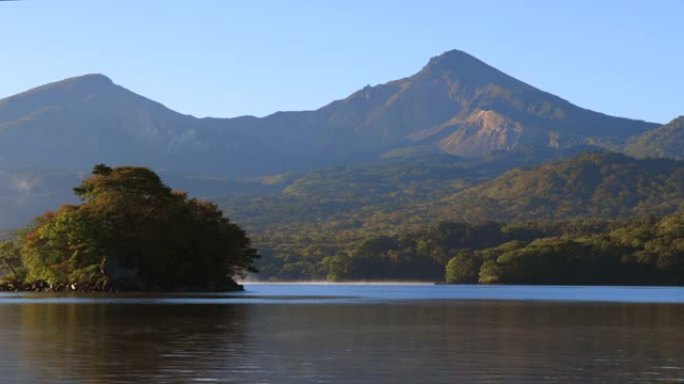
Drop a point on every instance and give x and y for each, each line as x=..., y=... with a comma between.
x=455, y=104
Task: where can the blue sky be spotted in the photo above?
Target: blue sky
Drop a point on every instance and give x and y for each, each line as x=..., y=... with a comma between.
x=226, y=58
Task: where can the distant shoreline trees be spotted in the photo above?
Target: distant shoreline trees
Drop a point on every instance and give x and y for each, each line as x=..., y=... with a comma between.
x=646, y=251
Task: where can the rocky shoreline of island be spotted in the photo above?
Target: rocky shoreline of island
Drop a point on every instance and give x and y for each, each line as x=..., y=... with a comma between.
x=43, y=286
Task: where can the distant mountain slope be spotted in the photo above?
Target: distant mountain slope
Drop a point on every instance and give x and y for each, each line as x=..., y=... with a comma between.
x=75, y=123
x=592, y=185
x=349, y=197
x=666, y=141
x=468, y=108
x=421, y=190
x=455, y=104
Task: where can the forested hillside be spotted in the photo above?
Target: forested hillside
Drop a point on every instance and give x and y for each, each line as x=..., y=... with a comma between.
x=629, y=252
x=331, y=213
x=599, y=185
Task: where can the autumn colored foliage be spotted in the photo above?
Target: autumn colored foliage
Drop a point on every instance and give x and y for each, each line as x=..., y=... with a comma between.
x=132, y=232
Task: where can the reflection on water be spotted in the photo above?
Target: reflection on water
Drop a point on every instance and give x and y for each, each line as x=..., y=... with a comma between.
x=100, y=343
x=350, y=342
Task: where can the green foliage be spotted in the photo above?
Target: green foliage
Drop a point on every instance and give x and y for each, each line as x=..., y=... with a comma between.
x=631, y=252
x=423, y=254
x=338, y=214
x=490, y=272
x=329, y=213
x=591, y=185
x=63, y=247
x=463, y=268
x=636, y=252
x=10, y=260
x=132, y=232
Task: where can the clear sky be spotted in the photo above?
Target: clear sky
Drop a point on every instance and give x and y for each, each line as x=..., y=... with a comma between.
x=225, y=58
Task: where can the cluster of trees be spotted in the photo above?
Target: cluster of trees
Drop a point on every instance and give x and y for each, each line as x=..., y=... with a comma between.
x=131, y=232
x=424, y=254
x=647, y=251
x=634, y=252
x=420, y=255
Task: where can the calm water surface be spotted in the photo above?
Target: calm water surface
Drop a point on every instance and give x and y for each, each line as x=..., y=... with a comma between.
x=348, y=334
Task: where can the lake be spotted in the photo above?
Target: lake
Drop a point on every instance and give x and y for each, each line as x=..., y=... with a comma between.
x=339, y=333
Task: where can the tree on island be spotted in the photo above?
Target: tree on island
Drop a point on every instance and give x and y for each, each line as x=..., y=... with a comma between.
x=132, y=232
x=10, y=259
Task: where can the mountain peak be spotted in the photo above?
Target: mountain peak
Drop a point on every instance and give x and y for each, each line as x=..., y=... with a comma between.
x=455, y=60
x=454, y=55
x=88, y=80
x=459, y=64
x=88, y=83
x=92, y=77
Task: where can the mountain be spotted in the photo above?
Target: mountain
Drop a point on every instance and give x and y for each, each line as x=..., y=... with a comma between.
x=465, y=107
x=75, y=123
x=666, y=141
x=455, y=104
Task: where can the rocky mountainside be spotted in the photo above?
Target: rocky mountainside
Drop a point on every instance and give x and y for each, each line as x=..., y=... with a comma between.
x=455, y=104
x=465, y=107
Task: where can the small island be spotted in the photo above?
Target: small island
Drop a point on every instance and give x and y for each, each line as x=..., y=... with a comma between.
x=130, y=233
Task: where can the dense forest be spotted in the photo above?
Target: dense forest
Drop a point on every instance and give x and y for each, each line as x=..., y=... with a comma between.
x=642, y=251
x=637, y=251
x=375, y=222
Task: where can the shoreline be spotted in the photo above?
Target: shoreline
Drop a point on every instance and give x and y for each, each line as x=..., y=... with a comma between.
x=44, y=287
